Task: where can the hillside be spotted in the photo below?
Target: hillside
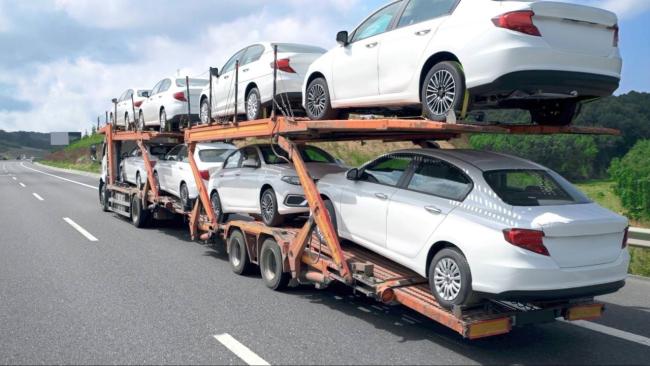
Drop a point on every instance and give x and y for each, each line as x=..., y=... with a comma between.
x=13, y=144
x=77, y=155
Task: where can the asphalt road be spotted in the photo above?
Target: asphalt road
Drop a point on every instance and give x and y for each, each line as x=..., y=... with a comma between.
x=113, y=294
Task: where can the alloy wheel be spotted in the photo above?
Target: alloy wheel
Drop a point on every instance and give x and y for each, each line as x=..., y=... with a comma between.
x=163, y=121
x=268, y=207
x=251, y=106
x=447, y=279
x=441, y=92
x=316, y=99
x=205, y=112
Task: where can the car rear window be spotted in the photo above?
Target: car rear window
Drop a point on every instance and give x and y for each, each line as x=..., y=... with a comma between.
x=298, y=48
x=193, y=83
x=214, y=155
x=533, y=188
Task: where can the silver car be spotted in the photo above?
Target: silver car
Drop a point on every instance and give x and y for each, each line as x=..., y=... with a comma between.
x=259, y=180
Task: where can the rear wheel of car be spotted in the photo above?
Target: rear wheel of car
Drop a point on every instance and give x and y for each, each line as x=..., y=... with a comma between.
x=141, y=122
x=205, y=111
x=237, y=253
x=443, y=90
x=163, y=121
x=185, y=197
x=554, y=112
x=450, y=279
x=215, y=201
x=139, y=215
x=269, y=208
x=318, y=101
x=271, y=266
x=138, y=180
x=253, y=105
x=126, y=121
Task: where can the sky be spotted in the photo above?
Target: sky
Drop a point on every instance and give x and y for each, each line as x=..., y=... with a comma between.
x=62, y=61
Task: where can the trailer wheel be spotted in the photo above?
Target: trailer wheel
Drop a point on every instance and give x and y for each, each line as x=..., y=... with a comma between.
x=269, y=208
x=443, y=90
x=450, y=279
x=139, y=215
x=318, y=101
x=253, y=105
x=103, y=197
x=271, y=266
x=237, y=253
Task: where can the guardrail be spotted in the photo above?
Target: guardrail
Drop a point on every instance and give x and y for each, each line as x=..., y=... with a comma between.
x=639, y=238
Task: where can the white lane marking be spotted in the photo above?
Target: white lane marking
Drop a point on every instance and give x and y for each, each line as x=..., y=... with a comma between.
x=14, y=178
x=240, y=350
x=56, y=176
x=83, y=231
x=22, y=184
x=612, y=332
x=38, y=197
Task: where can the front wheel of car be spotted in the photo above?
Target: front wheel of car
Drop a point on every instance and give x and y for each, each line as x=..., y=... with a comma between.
x=554, y=112
x=138, y=181
x=215, y=201
x=269, y=208
x=163, y=121
x=450, y=279
x=185, y=197
x=318, y=101
x=443, y=90
x=253, y=105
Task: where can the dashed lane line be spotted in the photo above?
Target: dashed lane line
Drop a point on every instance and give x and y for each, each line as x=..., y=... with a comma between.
x=38, y=197
x=81, y=230
x=241, y=351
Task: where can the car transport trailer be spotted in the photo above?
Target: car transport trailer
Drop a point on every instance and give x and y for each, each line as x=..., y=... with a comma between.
x=313, y=254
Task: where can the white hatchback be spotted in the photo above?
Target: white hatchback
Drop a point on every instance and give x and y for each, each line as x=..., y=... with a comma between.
x=481, y=225
x=541, y=56
x=126, y=109
x=255, y=87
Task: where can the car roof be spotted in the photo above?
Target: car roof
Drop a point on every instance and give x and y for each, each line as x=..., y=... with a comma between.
x=215, y=145
x=482, y=160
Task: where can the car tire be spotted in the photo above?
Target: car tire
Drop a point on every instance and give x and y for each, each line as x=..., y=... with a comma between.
x=443, y=90
x=141, y=125
x=138, y=180
x=126, y=121
x=205, y=111
x=318, y=101
x=238, y=254
x=269, y=208
x=271, y=266
x=103, y=197
x=163, y=121
x=139, y=215
x=253, y=105
x=450, y=279
x=186, y=202
x=332, y=213
x=215, y=202
x=554, y=113
x=156, y=181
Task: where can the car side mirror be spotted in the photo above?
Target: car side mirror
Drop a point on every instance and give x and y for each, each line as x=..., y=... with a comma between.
x=114, y=100
x=125, y=155
x=342, y=38
x=145, y=94
x=214, y=72
x=250, y=163
x=353, y=174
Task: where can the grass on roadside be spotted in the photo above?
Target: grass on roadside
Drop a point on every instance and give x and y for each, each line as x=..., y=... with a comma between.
x=85, y=167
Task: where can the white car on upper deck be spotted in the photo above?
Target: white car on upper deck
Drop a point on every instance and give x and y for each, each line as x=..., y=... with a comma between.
x=166, y=106
x=542, y=56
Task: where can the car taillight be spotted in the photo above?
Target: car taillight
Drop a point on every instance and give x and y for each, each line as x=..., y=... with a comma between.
x=180, y=96
x=616, y=30
x=285, y=65
x=518, y=21
x=205, y=174
x=138, y=104
x=625, y=237
x=532, y=240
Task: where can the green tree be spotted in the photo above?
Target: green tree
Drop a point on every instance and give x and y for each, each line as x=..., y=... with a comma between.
x=632, y=177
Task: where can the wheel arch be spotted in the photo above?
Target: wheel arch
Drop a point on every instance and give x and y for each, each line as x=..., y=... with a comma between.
x=315, y=75
x=433, y=60
x=437, y=247
x=250, y=87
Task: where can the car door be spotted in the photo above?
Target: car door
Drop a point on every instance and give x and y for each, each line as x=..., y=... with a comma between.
x=130, y=165
x=165, y=170
x=364, y=202
x=433, y=190
x=249, y=182
x=183, y=171
x=161, y=98
x=402, y=49
x=123, y=107
x=148, y=108
x=354, y=67
x=228, y=178
x=224, y=90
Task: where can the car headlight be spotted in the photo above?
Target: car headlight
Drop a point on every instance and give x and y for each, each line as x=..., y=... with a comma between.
x=293, y=180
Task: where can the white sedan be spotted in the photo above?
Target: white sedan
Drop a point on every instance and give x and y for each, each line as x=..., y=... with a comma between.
x=132, y=167
x=481, y=225
x=542, y=56
x=256, y=80
x=166, y=106
x=122, y=112
x=173, y=174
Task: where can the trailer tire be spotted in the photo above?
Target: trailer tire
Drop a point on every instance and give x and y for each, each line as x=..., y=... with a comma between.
x=269, y=208
x=139, y=215
x=271, y=266
x=450, y=279
x=237, y=253
x=103, y=197
x=435, y=93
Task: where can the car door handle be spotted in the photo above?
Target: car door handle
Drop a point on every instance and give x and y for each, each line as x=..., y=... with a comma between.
x=381, y=196
x=433, y=210
x=372, y=45
x=226, y=77
x=423, y=32
x=245, y=70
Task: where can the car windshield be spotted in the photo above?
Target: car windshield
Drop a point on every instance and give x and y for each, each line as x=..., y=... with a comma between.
x=309, y=154
x=298, y=48
x=533, y=188
x=193, y=83
x=214, y=155
x=159, y=151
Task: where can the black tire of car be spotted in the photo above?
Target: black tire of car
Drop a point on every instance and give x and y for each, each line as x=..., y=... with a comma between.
x=163, y=121
x=126, y=121
x=139, y=215
x=253, y=97
x=237, y=254
x=141, y=122
x=318, y=93
x=554, y=113
x=138, y=180
x=103, y=197
x=156, y=181
x=330, y=210
x=269, y=208
x=465, y=295
x=447, y=68
x=271, y=266
x=215, y=201
x=185, y=197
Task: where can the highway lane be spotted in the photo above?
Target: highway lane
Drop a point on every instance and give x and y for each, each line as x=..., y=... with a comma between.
x=153, y=296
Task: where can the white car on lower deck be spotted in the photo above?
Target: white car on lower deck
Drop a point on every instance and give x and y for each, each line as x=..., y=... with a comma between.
x=174, y=174
x=166, y=107
x=132, y=169
x=542, y=56
x=481, y=225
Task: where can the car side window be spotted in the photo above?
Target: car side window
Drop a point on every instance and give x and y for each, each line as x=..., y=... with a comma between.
x=156, y=88
x=378, y=23
x=253, y=53
x=387, y=170
x=439, y=178
x=418, y=11
x=233, y=161
x=182, y=155
x=230, y=65
x=165, y=85
x=173, y=153
x=128, y=95
x=134, y=152
x=252, y=154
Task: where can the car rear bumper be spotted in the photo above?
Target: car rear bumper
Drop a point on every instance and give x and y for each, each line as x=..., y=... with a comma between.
x=563, y=294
